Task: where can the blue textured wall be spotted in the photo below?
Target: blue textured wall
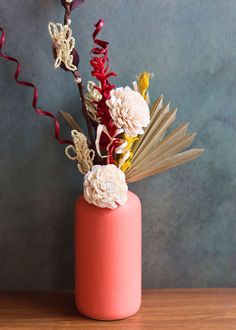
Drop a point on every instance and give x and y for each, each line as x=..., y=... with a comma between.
x=189, y=213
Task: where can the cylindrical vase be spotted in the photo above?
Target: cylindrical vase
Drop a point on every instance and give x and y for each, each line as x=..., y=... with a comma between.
x=108, y=259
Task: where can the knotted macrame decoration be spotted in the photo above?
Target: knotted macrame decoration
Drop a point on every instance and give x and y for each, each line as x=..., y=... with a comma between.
x=91, y=99
x=82, y=153
x=64, y=43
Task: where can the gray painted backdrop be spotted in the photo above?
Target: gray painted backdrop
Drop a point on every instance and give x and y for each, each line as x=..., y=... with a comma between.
x=189, y=213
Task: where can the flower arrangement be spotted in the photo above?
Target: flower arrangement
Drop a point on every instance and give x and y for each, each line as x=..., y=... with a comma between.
x=126, y=139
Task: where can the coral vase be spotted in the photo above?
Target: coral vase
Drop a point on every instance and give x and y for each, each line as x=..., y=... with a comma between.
x=108, y=259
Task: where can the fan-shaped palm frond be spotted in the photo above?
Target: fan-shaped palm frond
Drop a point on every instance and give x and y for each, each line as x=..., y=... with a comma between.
x=156, y=152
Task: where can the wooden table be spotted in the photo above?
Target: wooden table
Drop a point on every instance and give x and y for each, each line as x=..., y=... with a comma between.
x=202, y=309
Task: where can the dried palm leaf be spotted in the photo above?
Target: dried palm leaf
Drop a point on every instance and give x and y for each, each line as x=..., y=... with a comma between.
x=71, y=121
x=165, y=165
x=156, y=152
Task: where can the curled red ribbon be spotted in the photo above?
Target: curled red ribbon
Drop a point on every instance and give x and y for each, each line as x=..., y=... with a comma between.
x=35, y=95
x=100, y=60
x=100, y=64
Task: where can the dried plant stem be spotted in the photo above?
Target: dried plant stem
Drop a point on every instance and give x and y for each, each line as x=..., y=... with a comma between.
x=85, y=112
x=71, y=121
x=67, y=20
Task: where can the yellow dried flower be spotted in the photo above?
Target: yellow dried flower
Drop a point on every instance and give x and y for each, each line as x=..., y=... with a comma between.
x=130, y=140
x=143, y=83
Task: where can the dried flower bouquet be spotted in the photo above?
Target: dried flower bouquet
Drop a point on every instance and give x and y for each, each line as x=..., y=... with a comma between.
x=129, y=141
x=126, y=141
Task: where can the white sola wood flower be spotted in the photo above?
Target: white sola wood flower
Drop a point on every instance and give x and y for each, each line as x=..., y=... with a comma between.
x=105, y=186
x=128, y=110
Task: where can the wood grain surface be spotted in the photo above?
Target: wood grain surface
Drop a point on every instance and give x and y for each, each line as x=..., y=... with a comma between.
x=202, y=309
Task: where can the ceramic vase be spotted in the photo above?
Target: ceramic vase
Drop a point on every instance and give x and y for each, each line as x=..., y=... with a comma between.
x=108, y=259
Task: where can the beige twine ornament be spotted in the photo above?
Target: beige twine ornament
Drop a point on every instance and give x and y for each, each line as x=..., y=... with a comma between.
x=61, y=35
x=91, y=98
x=82, y=153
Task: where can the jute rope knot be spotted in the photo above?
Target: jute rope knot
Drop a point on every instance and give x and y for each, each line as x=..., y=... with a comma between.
x=61, y=35
x=82, y=153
